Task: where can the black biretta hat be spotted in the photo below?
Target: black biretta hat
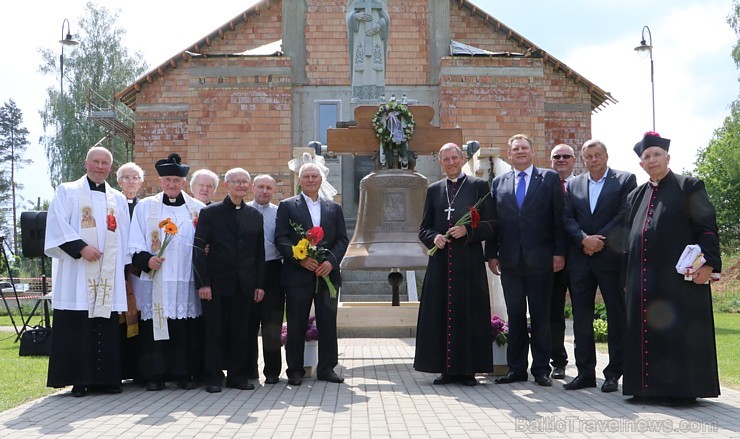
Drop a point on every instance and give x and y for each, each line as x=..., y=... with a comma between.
x=172, y=166
x=651, y=138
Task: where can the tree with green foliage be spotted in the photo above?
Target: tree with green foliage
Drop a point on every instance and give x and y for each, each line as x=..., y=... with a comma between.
x=719, y=163
x=13, y=144
x=101, y=63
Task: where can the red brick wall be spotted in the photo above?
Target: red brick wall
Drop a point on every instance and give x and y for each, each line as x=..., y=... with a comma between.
x=491, y=109
x=239, y=121
x=258, y=30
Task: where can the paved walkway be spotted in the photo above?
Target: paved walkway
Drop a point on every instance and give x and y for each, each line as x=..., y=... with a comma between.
x=383, y=397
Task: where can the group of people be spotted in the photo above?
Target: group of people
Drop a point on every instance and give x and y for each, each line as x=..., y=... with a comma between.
x=174, y=288
x=545, y=232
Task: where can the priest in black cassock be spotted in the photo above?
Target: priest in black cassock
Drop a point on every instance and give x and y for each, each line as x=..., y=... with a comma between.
x=453, y=333
x=670, y=353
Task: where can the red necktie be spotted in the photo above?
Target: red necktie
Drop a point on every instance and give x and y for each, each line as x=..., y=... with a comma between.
x=562, y=182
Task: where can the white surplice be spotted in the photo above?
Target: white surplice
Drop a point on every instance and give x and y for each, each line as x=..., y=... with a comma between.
x=180, y=299
x=64, y=224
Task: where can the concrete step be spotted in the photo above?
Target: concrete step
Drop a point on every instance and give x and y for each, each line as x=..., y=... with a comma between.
x=369, y=287
x=370, y=297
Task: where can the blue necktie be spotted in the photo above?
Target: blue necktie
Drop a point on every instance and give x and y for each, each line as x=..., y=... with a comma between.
x=521, y=189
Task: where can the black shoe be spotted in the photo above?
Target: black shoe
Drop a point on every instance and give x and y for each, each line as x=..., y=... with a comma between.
x=543, y=380
x=272, y=380
x=444, y=379
x=580, y=382
x=78, y=391
x=468, y=380
x=610, y=385
x=187, y=384
x=511, y=377
x=111, y=389
x=213, y=388
x=154, y=386
x=332, y=377
x=558, y=373
x=241, y=385
x=295, y=380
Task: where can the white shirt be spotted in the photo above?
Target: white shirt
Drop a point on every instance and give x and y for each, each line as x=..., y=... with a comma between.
x=594, y=189
x=314, y=208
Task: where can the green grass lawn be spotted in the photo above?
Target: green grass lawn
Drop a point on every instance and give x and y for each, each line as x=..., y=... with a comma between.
x=727, y=330
x=23, y=378
x=727, y=334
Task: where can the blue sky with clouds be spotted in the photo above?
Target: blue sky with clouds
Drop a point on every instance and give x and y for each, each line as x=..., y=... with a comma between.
x=695, y=78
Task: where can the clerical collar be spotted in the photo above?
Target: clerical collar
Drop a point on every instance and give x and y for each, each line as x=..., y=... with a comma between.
x=99, y=187
x=456, y=179
x=179, y=201
x=229, y=202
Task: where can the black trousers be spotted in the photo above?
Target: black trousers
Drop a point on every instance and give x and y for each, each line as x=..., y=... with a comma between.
x=269, y=315
x=180, y=357
x=558, y=355
x=226, y=321
x=298, y=305
x=525, y=286
x=583, y=284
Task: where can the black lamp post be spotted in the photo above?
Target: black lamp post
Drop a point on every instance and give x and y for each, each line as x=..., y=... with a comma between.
x=648, y=49
x=65, y=41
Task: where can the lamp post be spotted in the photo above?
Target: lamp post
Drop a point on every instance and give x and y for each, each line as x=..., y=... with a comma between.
x=65, y=41
x=648, y=49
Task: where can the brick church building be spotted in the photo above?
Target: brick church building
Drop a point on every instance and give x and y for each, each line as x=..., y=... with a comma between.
x=255, y=91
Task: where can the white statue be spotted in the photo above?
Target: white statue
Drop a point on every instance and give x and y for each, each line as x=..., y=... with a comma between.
x=367, y=29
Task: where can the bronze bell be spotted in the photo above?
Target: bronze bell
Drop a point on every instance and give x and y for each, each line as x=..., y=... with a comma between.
x=389, y=214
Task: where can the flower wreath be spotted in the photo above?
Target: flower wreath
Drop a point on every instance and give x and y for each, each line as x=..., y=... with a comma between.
x=394, y=125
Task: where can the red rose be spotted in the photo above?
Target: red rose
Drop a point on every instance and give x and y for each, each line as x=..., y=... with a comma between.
x=315, y=235
x=474, y=217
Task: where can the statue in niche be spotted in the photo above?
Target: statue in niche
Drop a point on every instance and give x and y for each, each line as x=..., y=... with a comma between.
x=367, y=29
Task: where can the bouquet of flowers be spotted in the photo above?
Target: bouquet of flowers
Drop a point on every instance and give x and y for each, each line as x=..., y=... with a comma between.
x=170, y=230
x=499, y=330
x=308, y=247
x=312, y=333
x=472, y=217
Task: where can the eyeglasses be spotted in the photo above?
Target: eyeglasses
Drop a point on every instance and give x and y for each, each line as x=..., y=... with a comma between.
x=239, y=182
x=562, y=156
x=130, y=178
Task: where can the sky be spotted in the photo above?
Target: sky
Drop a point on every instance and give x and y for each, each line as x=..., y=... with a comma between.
x=695, y=77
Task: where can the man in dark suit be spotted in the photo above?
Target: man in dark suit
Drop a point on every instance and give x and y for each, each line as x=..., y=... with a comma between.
x=230, y=278
x=529, y=245
x=562, y=160
x=301, y=278
x=594, y=208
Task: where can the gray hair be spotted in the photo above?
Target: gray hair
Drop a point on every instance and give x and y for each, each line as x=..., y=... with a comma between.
x=98, y=149
x=207, y=173
x=264, y=177
x=451, y=146
x=310, y=165
x=591, y=144
x=232, y=172
x=562, y=145
x=130, y=166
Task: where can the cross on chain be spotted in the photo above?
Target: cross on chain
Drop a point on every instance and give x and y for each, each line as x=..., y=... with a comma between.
x=449, y=211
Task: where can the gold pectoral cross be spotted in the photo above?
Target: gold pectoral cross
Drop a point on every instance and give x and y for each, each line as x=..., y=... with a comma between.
x=158, y=311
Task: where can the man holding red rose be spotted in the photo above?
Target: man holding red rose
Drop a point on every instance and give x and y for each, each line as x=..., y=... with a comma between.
x=453, y=335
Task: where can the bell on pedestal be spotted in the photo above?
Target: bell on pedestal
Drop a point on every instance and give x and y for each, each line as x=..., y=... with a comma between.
x=389, y=214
